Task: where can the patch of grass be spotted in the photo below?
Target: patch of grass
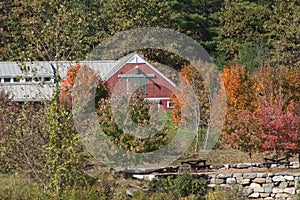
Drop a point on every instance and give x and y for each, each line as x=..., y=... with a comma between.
x=19, y=187
x=170, y=127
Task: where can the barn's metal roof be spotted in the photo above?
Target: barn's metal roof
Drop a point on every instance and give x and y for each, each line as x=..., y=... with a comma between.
x=14, y=69
x=9, y=69
x=38, y=91
x=29, y=92
x=130, y=58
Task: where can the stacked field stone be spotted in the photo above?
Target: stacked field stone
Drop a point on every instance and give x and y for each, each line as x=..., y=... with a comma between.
x=265, y=186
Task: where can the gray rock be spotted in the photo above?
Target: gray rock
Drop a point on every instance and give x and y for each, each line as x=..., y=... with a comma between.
x=237, y=175
x=217, y=181
x=243, y=165
x=261, y=175
x=264, y=195
x=224, y=185
x=278, y=178
x=138, y=176
x=269, y=198
x=224, y=176
x=249, y=175
x=295, y=165
x=268, y=180
x=256, y=187
x=260, y=190
x=289, y=178
x=277, y=190
x=268, y=189
x=244, y=181
x=273, y=195
x=273, y=166
x=254, y=195
x=226, y=166
x=233, y=166
x=231, y=180
x=268, y=185
x=290, y=190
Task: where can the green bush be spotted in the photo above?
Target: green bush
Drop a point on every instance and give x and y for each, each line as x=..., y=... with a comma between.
x=182, y=186
x=225, y=193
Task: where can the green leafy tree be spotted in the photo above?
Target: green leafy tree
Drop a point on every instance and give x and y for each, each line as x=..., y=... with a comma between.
x=124, y=15
x=128, y=14
x=64, y=167
x=133, y=120
x=49, y=30
x=283, y=33
x=240, y=22
x=194, y=18
x=253, y=55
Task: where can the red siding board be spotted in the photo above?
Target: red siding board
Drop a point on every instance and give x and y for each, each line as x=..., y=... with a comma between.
x=157, y=87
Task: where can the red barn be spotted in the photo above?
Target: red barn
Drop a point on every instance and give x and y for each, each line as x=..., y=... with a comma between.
x=133, y=71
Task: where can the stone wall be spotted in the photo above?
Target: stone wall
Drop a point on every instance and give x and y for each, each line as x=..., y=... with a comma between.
x=262, y=186
x=265, y=186
x=293, y=165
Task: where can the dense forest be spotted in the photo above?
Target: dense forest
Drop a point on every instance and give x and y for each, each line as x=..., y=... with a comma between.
x=243, y=32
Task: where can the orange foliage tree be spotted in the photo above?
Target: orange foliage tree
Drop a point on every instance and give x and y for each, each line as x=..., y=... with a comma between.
x=277, y=85
x=85, y=82
x=239, y=130
x=262, y=108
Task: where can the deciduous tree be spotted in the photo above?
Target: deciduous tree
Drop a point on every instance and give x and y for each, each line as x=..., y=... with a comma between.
x=240, y=130
x=279, y=129
x=283, y=34
x=50, y=30
x=87, y=80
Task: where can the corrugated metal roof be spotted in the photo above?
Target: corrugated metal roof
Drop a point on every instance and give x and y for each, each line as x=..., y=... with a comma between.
x=14, y=69
x=29, y=92
x=102, y=67
x=9, y=69
x=33, y=91
x=118, y=66
x=37, y=68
